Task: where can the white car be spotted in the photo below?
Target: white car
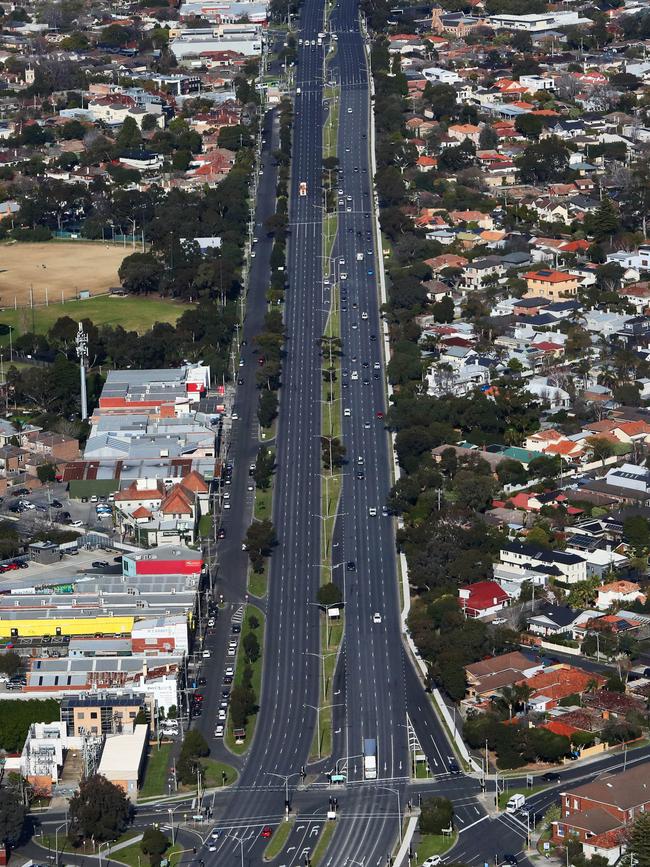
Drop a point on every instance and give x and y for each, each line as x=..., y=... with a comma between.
x=376, y=366
x=241, y=362
x=347, y=412
x=211, y=621
x=433, y=861
x=226, y=505
x=234, y=416
x=218, y=732
x=344, y=276
x=207, y=654
x=77, y=524
x=232, y=651
x=350, y=110
x=376, y=617
x=372, y=511
x=253, y=254
x=229, y=670
x=221, y=715
x=364, y=315
x=354, y=374
x=499, y=621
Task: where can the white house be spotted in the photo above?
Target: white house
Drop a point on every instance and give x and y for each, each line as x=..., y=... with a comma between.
x=438, y=75
x=570, y=568
x=619, y=592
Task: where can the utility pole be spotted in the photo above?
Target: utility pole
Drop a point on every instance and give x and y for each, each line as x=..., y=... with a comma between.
x=81, y=342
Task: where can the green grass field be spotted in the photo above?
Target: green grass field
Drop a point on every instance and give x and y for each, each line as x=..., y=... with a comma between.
x=135, y=857
x=155, y=777
x=434, y=844
x=134, y=314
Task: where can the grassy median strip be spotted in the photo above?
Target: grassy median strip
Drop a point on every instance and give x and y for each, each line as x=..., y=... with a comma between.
x=323, y=842
x=135, y=857
x=253, y=625
x=279, y=839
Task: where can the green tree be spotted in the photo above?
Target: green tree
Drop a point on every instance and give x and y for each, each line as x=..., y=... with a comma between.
x=260, y=541
x=10, y=663
x=636, y=532
x=529, y=125
x=329, y=594
x=140, y=273
x=488, y=138
x=601, y=448
x=267, y=410
x=195, y=745
x=129, y=137
x=640, y=840
x=12, y=816
x=436, y=814
x=46, y=473
x=443, y=310
x=441, y=99
x=154, y=844
x=99, y=809
x=545, y=161
x=251, y=647
x=606, y=220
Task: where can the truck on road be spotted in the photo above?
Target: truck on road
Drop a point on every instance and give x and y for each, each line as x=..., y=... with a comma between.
x=370, y=759
x=302, y=190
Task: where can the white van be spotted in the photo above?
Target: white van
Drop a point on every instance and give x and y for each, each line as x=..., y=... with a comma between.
x=515, y=803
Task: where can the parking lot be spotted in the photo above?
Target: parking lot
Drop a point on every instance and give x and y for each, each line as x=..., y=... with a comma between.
x=47, y=511
x=67, y=570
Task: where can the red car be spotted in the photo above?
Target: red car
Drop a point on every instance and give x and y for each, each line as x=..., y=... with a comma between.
x=379, y=414
x=267, y=831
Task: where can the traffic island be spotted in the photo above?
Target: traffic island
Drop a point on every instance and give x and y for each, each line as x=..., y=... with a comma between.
x=247, y=682
x=279, y=839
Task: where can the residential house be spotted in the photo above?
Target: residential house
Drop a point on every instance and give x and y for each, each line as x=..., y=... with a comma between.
x=569, y=568
x=618, y=593
x=488, y=675
x=557, y=682
x=482, y=599
x=611, y=801
x=479, y=272
x=552, y=620
x=552, y=284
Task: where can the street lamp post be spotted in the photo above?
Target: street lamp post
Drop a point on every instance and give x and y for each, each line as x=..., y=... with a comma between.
x=322, y=657
x=241, y=841
x=56, y=841
x=317, y=708
x=286, y=778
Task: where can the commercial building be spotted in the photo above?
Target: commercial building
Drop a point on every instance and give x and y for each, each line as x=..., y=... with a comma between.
x=537, y=23
x=143, y=389
x=103, y=713
x=123, y=759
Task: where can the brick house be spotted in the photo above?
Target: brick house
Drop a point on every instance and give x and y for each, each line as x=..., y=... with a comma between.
x=610, y=802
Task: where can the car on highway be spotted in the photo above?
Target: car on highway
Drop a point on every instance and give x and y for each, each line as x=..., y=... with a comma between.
x=211, y=621
x=351, y=566
x=551, y=777
x=229, y=669
x=221, y=534
x=347, y=412
x=218, y=732
x=364, y=315
x=372, y=511
x=267, y=832
x=227, y=679
x=221, y=715
x=206, y=654
x=379, y=414
x=376, y=617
